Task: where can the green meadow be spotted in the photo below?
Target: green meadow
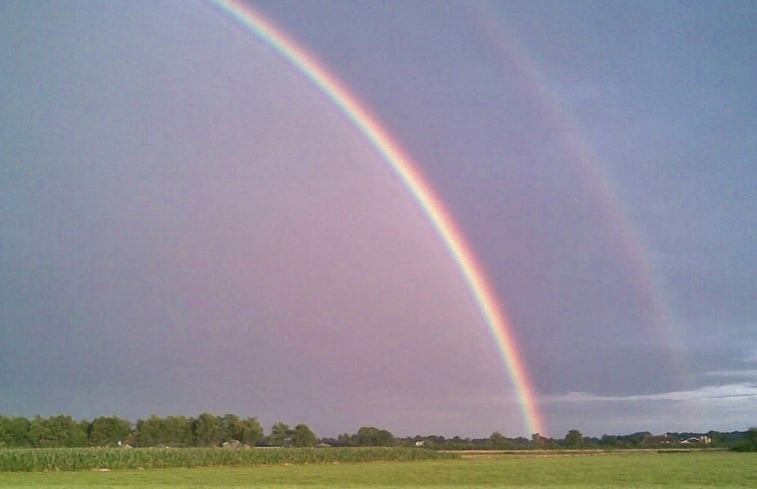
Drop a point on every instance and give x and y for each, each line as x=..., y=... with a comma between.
x=562, y=470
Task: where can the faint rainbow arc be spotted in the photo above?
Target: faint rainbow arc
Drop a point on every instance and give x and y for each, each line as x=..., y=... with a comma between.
x=406, y=170
x=575, y=143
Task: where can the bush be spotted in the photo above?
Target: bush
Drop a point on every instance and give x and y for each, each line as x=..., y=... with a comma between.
x=748, y=445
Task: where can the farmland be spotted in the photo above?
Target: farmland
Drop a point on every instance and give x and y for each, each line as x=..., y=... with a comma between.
x=562, y=470
x=77, y=459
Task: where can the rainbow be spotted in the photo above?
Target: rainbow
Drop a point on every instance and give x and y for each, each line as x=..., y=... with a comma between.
x=404, y=167
x=495, y=27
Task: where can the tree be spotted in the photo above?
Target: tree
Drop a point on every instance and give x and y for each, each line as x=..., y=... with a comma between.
x=177, y=431
x=108, y=430
x=14, y=432
x=344, y=439
x=608, y=441
x=231, y=424
x=499, y=442
x=151, y=432
x=252, y=431
x=574, y=439
x=749, y=444
x=303, y=436
x=715, y=437
x=247, y=431
x=57, y=431
x=208, y=430
x=280, y=435
x=537, y=440
x=373, y=437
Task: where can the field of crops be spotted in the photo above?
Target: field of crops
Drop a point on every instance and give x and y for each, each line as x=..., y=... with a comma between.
x=74, y=459
x=640, y=470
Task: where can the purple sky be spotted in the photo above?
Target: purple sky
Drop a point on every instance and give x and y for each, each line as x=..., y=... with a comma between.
x=188, y=225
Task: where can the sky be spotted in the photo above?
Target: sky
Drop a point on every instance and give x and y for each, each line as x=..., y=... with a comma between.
x=188, y=224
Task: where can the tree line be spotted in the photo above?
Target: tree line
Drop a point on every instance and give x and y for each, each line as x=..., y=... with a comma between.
x=573, y=440
x=209, y=430
x=205, y=430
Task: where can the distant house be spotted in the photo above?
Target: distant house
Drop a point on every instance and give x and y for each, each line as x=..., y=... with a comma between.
x=231, y=444
x=323, y=445
x=420, y=443
x=697, y=440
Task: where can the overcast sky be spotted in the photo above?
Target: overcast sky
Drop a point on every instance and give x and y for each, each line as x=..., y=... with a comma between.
x=187, y=224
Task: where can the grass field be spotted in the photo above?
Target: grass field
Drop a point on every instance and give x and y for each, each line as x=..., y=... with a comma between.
x=639, y=470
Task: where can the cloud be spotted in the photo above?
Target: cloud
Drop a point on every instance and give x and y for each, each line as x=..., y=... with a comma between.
x=702, y=394
x=713, y=407
x=752, y=357
x=744, y=374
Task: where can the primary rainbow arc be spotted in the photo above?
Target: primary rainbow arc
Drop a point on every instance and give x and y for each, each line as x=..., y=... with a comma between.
x=477, y=282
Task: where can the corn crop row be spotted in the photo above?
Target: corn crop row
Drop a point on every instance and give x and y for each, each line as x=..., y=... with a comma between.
x=72, y=459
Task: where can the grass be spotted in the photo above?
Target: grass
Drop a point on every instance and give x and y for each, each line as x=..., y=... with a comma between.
x=639, y=470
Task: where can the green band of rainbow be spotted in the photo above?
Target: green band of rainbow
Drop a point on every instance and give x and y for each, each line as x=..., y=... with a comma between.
x=403, y=166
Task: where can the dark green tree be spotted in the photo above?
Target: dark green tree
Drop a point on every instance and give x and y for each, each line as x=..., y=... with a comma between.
x=749, y=444
x=250, y=432
x=108, y=431
x=151, y=432
x=231, y=426
x=246, y=431
x=280, y=435
x=369, y=436
x=303, y=436
x=608, y=441
x=14, y=432
x=716, y=437
x=177, y=431
x=344, y=439
x=208, y=430
x=537, y=441
x=57, y=431
x=574, y=439
x=499, y=442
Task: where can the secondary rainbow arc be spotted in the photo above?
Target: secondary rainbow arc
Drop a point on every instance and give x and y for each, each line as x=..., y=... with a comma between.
x=463, y=255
